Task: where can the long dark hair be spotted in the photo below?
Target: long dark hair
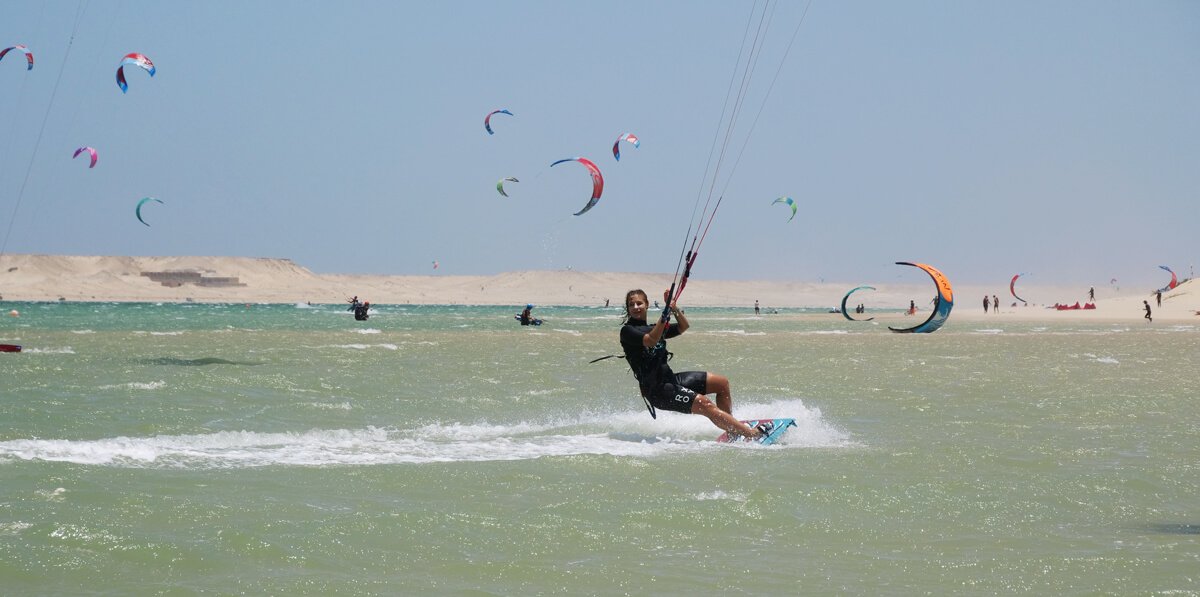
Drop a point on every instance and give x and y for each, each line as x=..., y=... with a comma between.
x=629, y=295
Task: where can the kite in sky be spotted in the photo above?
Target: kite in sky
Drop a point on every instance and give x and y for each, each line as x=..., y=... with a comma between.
x=487, y=120
x=20, y=48
x=500, y=185
x=1012, y=287
x=787, y=201
x=138, y=211
x=91, y=152
x=630, y=137
x=136, y=60
x=844, y=298
x=941, y=311
x=597, y=181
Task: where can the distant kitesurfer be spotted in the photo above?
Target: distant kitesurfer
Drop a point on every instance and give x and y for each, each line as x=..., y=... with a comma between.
x=645, y=349
x=1148, y=318
x=527, y=315
x=361, y=310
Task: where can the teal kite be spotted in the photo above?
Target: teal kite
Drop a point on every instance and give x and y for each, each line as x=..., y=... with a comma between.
x=138, y=211
x=787, y=201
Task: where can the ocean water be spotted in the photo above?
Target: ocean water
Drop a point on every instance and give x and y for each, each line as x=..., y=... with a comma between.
x=153, y=449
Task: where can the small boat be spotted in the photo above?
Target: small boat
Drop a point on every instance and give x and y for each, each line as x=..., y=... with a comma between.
x=10, y=348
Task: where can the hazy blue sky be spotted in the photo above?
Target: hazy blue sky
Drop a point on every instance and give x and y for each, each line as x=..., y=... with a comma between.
x=1061, y=139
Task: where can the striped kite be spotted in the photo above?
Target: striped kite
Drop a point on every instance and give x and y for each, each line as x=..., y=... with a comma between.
x=136, y=60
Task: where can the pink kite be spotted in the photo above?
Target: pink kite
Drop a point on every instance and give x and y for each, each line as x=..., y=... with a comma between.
x=91, y=152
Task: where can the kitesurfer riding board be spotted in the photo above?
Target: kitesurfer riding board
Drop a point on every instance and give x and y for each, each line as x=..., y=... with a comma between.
x=775, y=429
x=531, y=321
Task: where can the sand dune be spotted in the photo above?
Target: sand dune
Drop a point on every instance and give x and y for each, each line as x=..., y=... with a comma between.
x=276, y=280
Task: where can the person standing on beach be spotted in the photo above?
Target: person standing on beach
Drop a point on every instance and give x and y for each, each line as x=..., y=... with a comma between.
x=756, y=306
x=645, y=349
x=1091, y=294
x=985, y=304
x=1148, y=318
x=1158, y=297
x=995, y=305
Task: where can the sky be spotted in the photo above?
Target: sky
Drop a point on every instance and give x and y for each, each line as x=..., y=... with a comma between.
x=1056, y=139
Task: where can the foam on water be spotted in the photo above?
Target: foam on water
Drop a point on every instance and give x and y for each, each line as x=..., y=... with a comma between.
x=625, y=434
x=134, y=385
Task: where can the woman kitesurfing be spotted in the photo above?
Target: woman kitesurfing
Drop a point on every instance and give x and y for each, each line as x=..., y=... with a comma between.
x=645, y=349
x=644, y=344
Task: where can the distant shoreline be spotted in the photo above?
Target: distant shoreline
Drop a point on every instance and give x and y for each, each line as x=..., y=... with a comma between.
x=201, y=279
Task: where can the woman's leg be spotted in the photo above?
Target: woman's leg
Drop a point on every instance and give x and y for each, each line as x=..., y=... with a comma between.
x=719, y=384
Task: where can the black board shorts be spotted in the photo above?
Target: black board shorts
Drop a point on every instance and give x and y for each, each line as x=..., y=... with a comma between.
x=679, y=396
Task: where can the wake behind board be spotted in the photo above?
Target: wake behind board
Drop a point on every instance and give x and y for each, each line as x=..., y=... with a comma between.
x=778, y=428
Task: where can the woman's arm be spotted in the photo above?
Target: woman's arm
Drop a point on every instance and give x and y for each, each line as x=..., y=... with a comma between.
x=679, y=318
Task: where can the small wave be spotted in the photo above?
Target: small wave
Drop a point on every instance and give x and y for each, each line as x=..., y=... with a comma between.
x=12, y=529
x=989, y=331
x=1108, y=360
x=735, y=333
x=719, y=496
x=366, y=346
x=368, y=331
x=332, y=406
x=628, y=434
x=83, y=332
x=135, y=385
x=62, y=350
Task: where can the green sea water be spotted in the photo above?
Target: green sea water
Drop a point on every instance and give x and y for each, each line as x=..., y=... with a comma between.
x=151, y=449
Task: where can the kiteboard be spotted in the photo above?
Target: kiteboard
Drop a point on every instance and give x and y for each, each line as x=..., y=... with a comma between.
x=10, y=348
x=778, y=428
x=531, y=321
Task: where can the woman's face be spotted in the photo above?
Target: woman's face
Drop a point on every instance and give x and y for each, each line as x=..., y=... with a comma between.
x=636, y=306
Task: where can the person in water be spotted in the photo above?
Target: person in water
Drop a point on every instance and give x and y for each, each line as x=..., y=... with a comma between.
x=527, y=315
x=361, y=310
x=645, y=349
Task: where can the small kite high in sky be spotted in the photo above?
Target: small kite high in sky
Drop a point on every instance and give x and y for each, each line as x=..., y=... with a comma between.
x=487, y=120
x=91, y=152
x=20, y=48
x=630, y=137
x=787, y=201
x=136, y=60
x=597, y=181
x=500, y=185
x=138, y=211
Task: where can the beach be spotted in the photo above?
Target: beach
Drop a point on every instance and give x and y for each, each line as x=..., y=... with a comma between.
x=280, y=280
